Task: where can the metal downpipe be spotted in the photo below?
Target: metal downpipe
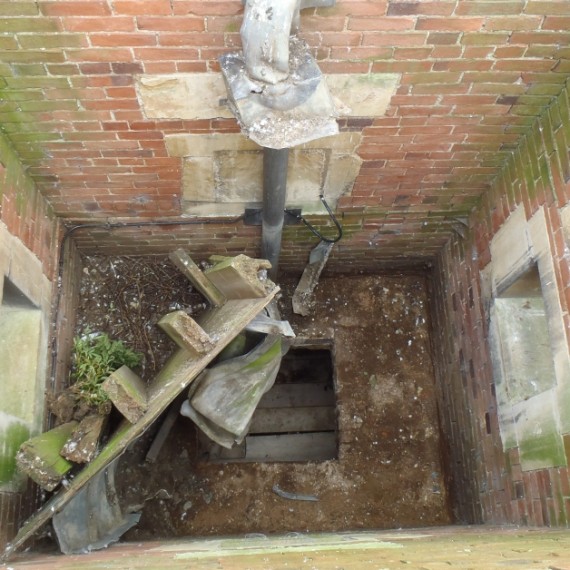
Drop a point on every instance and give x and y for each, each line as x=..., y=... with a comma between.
x=275, y=162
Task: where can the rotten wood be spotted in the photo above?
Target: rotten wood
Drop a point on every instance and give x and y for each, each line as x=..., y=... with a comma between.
x=186, y=332
x=164, y=430
x=318, y=446
x=239, y=277
x=297, y=395
x=194, y=274
x=82, y=446
x=223, y=323
x=39, y=457
x=127, y=391
x=289, y=420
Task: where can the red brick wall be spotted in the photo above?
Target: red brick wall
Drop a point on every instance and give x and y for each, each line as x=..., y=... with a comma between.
x=474, y=76
x=15, y=508
x=488, y=484
x=23, y=210
x=28, y=217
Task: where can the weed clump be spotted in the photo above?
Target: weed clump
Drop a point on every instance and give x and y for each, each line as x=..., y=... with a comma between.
x=95, y=357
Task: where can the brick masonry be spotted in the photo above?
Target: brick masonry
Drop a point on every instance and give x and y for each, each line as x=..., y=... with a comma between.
x=489, y=485
x=473, y=78
x=479, y=124
x=26, y=214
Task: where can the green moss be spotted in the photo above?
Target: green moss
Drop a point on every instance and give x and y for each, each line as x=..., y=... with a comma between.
x=266, y=357
x=545, y=450
x=10, y=441
x=233, y=27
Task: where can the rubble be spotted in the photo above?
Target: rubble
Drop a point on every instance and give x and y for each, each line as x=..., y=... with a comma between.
x=303, y=301
x=142, y=406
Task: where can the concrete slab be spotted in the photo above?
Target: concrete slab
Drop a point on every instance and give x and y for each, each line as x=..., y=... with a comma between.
x=529, y=341
x=23, y=354
x=203, y=95
x=183, y=96
x=223, y=173
x=460, y=547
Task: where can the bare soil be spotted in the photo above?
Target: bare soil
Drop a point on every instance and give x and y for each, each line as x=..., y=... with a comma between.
x=388, y=473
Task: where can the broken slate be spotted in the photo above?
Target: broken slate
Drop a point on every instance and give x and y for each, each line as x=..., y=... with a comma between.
x=39, y=457
x=82, y=446
x=127, y=392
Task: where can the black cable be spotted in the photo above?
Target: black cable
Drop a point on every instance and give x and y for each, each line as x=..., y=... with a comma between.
x=314, y=230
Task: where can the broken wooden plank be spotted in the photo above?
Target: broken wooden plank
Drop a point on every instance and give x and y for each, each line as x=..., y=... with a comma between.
x=194, y=274
x=164, y=429
x=82, y=446
x=39, y=457
x=186, y=332
x=296, y=395
x=239, y=277
x=264, y=324
x=302, y=300
x=214, y=452
x=223, y=323
x=291, y=447
x=127, y=392
x=319, y=446
x=290, y=420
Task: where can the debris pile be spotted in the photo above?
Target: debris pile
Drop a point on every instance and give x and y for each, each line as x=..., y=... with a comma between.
x=239, y=290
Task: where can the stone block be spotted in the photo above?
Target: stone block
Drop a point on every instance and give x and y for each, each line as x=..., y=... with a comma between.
x=127, y=392
x=189, y=96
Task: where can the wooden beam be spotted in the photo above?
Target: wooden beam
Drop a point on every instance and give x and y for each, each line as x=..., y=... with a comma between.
x=194, y=274
x=127, y=392
x=238, y=277
x=289, y=420
x=39, y=456
x=223, y=323
x=186, y=332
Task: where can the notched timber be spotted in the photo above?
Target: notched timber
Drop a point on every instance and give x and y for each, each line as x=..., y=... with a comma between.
x=194, y=274
x=223, y=323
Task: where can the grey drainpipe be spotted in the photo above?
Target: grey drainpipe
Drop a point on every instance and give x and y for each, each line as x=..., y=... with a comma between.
x=275, y=163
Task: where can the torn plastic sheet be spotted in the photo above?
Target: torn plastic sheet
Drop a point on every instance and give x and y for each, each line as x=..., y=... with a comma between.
x=225, y=396
x=93, y=519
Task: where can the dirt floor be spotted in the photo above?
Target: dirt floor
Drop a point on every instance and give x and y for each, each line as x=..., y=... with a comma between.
x=388, y=473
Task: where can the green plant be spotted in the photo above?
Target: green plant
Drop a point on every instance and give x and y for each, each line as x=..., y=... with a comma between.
x=95, y=357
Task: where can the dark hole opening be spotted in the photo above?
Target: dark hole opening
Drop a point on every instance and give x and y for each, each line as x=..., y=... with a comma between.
x=296, y=419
